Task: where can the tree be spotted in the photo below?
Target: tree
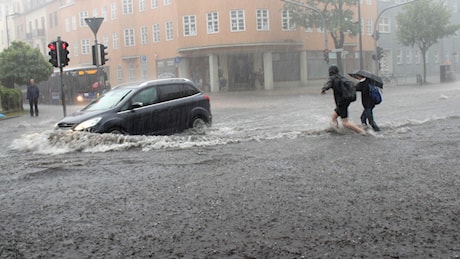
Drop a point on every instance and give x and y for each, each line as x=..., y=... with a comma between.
x=423, y=23
x=20, y=62
x=337, y=16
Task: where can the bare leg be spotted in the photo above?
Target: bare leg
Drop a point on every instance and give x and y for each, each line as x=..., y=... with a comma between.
x=352, y=126
x=334, y=119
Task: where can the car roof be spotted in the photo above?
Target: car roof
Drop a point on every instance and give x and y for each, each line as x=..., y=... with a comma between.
x=140, y=84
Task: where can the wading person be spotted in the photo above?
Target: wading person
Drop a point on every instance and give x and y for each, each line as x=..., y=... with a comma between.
x=368, y=103
x=32, y=95
x=341, y=110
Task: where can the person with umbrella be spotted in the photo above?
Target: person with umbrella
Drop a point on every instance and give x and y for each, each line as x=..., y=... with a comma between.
x=341, y=110
x=365, y=78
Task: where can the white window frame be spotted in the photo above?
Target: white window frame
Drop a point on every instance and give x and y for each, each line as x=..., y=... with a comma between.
x=167, y=2
x=127, y=7
x=85, y=47
x=384, y=25
x=263, y=19
x=119, y=73
x=115, y=41
x=237, y=20
x=83, y=15
x=286, y=21
x=212, y=21
x=141, y=6
x=156, y=32
x=154, y=4
x=189, y=24
x=169, y=30
x=129, y=37
x=113, y=11
x=369, y=26
x=144, y=35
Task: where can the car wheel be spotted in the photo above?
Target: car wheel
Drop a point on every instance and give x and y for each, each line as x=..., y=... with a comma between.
x=116, y=131
x=199, y=125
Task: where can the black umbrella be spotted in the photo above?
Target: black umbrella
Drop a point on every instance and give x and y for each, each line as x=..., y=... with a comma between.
x=367, y=74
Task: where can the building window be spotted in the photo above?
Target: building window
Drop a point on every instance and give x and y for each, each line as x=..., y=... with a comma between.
x=113, y=11
x=74, y=23
x=417, y=57
x=115, y=41
x=129, y=37
x=104, y=12
x=156, y=32
x=128, y=7
x=237, y=23
x=409, y=57
x=189, y=25
x=85, y=47
x=95, y=12
x=75, y=49
x=141, y=5
x=144, y=35
x=436, y=57
x=212, y=20
x=167, y=2
x=83, y=15
x=67, y=24
x=131, y=71
x=287, y=23
x=154, y=4
x=262, y=20
x=384, y=25
x=105, y=40
x=169, y=31
x=399, y=57
x=119, y=73
x=369, y=28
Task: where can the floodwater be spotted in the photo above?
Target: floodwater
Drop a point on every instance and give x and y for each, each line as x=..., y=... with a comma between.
x=239, y=117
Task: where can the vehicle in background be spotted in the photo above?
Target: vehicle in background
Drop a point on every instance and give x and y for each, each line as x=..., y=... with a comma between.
x=162, y=106
x=81, y=85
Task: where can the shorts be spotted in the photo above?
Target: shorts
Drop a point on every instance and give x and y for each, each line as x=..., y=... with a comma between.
x=342, y=110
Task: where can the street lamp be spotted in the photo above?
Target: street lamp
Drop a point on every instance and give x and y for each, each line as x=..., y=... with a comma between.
x=8, y=28
x=360, y=35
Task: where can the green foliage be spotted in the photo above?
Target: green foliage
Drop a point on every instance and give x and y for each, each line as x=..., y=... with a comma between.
x=20, y=62
x=11, y=99
x=423, y=23
x=337, y=15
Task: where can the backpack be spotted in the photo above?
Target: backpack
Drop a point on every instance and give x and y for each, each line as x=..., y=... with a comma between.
x=348, y=89
x=374, y=93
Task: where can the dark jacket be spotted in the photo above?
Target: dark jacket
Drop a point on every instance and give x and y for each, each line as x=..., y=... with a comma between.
x=33, y=93
x=365, y=96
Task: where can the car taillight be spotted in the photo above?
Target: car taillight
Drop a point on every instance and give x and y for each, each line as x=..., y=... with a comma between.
x=207, y=97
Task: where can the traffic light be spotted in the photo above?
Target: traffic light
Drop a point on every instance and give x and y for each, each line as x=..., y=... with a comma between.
x=379, y=53
x=53, y=54
x=326, y=55
x=64, y=54
x=93, y=48
x=103, y=53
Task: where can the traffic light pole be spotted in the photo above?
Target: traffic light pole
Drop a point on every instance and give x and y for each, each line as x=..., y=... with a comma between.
x=94, y=24
x=59, y=44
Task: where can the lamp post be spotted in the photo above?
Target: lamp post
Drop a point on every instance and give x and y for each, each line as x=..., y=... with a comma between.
x=8, y=29
x=360, y=35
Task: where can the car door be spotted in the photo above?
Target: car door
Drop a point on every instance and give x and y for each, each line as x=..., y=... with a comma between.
x=141, y=116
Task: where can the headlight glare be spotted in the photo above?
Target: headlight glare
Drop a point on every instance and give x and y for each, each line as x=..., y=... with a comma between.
x=88, y=123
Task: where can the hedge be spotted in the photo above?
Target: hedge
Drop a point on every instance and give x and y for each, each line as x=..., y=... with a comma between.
x=11, y=99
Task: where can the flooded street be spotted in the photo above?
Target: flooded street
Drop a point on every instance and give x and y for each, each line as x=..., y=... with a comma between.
x=268, y=180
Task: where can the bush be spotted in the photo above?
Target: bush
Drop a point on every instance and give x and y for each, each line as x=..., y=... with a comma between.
x=11, y=99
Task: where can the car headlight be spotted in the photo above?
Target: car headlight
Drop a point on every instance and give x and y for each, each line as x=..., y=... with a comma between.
x=87, y=124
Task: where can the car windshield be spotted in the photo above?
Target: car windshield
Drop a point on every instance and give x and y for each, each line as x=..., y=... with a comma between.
x=108, y=100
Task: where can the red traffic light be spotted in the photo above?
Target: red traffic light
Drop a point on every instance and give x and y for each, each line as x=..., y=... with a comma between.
x=52, y=46
x=64, y=45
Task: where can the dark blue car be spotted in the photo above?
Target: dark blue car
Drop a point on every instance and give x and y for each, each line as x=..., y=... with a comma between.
x=163, y=106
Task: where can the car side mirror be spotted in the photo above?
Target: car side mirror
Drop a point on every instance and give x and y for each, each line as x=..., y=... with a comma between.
x=136, y=105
